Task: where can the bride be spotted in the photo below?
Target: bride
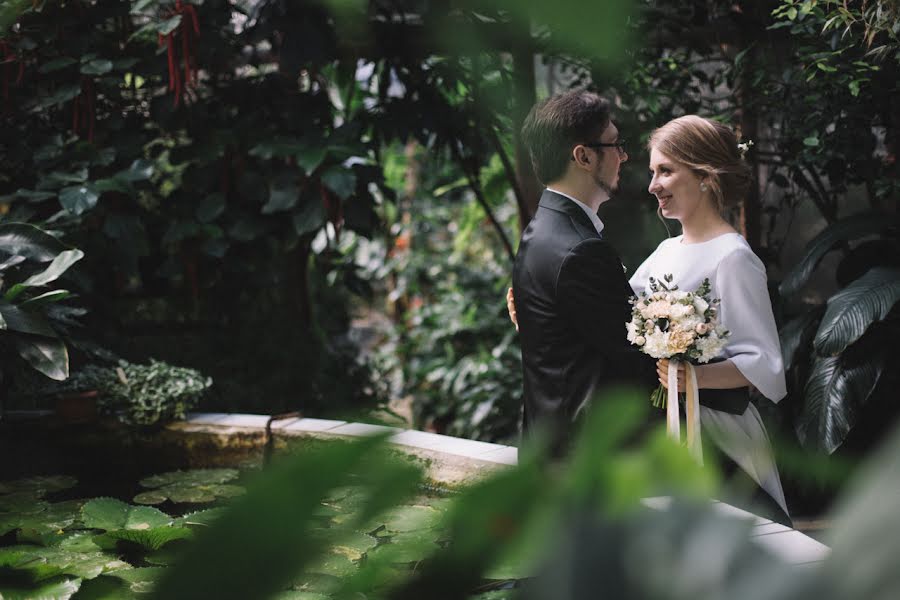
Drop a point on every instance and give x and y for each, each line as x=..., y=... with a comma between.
x=697, y=172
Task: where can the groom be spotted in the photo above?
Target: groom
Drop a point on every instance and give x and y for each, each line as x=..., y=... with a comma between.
x=571, y=294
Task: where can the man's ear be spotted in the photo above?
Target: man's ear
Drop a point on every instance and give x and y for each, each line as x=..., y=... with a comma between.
x=581, y=156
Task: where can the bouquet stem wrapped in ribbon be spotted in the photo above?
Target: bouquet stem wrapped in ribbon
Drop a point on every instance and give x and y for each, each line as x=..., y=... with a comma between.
x=683, y=327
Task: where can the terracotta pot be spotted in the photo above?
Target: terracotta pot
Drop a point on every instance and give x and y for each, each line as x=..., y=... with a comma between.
x=77, y=407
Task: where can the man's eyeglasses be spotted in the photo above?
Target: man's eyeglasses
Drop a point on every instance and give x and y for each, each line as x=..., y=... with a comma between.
x=618, y=145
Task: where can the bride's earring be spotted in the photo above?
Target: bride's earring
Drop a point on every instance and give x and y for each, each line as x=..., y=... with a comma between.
x=704, y=187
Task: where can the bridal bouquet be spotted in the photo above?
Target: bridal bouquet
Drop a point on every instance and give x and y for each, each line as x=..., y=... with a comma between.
x=670, y=323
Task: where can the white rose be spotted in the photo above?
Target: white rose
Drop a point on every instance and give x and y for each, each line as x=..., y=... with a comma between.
x=702, y=328
x=700, y=305
x=639, y=340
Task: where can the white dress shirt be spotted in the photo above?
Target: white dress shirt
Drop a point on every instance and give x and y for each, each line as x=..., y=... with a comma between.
x=598, y=224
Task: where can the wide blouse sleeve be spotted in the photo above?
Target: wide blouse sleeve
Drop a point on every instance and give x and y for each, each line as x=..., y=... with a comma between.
x=746, y=311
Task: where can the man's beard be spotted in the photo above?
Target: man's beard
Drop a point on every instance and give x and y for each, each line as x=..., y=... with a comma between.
x=606, y=187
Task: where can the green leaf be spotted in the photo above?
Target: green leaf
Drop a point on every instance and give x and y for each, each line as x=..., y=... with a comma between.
x=24, y=321
x=201, y=518
x=797, y=334
x=110, y=514
x=283, y=193
x=210, y=208
x=310, y=157
x=140, y=170
x=39, y=485
x=340, y=180
x=61, y=96
x=97, y=66
x=151, y=539
x=834, y=394
x=113, y=184
x=29, y=241
x=46, y=355
x=169, y=25
x=310, y=217
x=42, y=563
x=844, y=230
x=32, y=196
x=78, y=198
x=811, y=142
x=42, y=526
x=57, y=267
x=854, y=309
x=56, y=64
x=56, y=589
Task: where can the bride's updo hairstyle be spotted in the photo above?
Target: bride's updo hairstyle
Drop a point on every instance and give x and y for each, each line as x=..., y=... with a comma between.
x=710, y=150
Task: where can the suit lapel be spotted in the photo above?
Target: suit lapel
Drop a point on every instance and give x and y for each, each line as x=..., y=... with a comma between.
x=556, y=202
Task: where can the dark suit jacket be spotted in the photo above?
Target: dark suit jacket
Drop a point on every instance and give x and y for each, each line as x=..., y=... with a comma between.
x=572, y=305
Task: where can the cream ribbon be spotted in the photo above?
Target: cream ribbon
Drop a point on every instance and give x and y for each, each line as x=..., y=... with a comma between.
x=691, y=407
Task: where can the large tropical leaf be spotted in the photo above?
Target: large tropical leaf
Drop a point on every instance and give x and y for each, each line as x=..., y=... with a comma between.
x=853, y=310
x=24, y=321
x=47, y=355
x=60, y=265
x=842, y=231
x=795, y=336
x=29, y=241
x=834, y=394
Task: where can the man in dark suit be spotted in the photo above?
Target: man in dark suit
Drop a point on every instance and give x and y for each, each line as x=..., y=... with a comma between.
x=571, y=293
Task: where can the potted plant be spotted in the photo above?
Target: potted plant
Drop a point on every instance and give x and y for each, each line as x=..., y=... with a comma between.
x=139, y=394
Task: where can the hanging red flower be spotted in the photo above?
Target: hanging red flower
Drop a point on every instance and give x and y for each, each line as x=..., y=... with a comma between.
x=188, y=30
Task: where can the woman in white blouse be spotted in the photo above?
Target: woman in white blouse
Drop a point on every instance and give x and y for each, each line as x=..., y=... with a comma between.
x=696, y=173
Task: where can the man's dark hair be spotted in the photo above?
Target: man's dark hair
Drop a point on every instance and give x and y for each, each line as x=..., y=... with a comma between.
x=555, y=125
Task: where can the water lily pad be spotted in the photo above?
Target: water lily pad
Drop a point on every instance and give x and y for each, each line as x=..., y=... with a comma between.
x=197, y=486
x=317, y=583
x=202, y=518
x=42, y=563
x=354, y=545
x=334, y=564
x=194, y=476
x=411, y=518
x=57, y=589
x=43, y=522
x=39, y=486
x=22, y=503
x=151, y=539
x=411, y=551
x=140, y=580
x=110, y=514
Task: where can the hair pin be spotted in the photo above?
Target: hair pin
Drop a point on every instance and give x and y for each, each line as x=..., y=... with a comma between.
x=743, y=147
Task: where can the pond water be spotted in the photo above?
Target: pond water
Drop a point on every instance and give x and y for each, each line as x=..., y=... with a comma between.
x=86, y=520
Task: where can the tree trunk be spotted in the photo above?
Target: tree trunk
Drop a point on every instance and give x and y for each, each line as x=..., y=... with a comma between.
x=525, y=97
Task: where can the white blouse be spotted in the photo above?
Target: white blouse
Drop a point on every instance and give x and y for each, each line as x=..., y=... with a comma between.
x=738, y=278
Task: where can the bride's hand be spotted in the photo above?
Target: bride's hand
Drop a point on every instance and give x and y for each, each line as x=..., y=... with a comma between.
x=511, y=308
x=662, y=370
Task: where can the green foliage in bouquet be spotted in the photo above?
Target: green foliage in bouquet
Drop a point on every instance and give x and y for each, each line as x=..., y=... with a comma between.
x=143, y=394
